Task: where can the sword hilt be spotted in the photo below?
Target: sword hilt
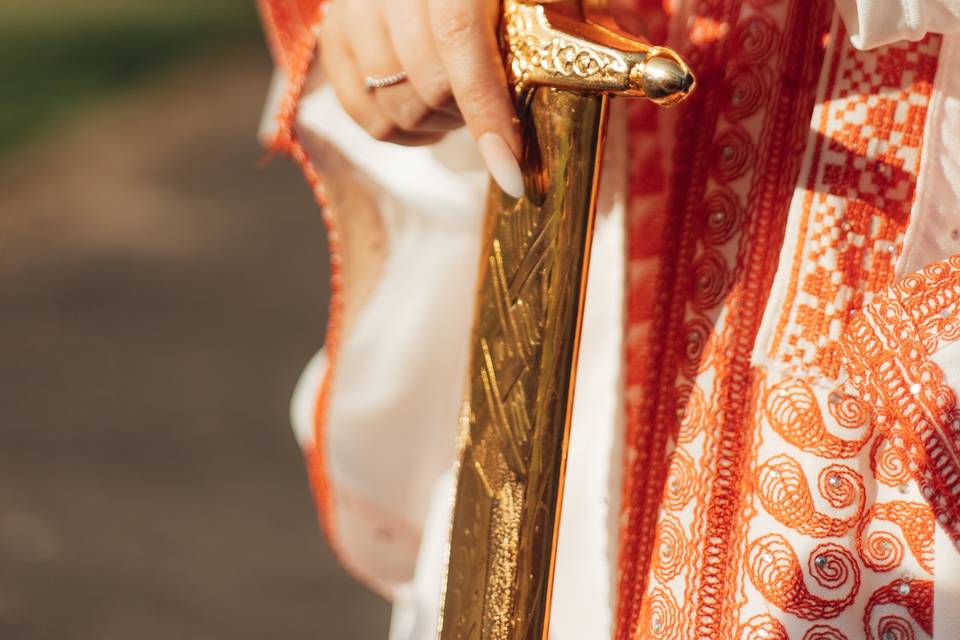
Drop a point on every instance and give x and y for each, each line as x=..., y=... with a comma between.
x=546, y=47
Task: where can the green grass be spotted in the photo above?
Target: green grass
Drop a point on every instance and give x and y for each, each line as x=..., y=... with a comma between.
x=56, y=56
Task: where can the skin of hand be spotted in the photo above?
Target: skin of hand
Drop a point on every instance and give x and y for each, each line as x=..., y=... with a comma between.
x=449, y=51
x=455, y=75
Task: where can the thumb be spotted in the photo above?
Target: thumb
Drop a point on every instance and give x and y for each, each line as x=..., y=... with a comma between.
x=465, y=32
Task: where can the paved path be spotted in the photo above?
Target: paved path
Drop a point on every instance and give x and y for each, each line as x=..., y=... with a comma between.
x=159, y=293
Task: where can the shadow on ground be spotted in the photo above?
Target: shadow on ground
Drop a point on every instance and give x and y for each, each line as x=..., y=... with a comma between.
x=160, y=293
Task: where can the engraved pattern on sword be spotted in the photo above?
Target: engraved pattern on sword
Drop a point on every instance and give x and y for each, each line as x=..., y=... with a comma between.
x=538, y=51
x=509, y=357
x=589, y=58
x=521, y=369
x=523, y=352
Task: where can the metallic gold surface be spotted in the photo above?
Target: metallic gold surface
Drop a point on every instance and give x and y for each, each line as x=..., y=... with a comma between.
x=516, y=416
x=508, y=492
x=547, y=47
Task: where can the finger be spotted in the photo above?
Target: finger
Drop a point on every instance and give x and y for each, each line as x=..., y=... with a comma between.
x=465, y=32
x=408, y=22
x=347, y=81
x=372, y=48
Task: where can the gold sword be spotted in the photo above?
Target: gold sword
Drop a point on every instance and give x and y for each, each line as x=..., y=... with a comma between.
x=565, y=60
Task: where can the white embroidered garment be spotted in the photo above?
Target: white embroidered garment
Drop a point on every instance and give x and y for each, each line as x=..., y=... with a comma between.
x=391, y=414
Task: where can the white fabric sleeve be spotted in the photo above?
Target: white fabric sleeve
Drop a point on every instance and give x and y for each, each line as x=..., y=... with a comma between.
x=397, y=377
x=874, y=23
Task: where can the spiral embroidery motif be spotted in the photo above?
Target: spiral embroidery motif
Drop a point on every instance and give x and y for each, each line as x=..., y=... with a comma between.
x=671, y=547
x=792, y=410
x=841, y=486
x=734, y=154
x=827, y=565
x=849, y=411
x=659, y=615
x=887, y=465
x=895, y=628
x=784, y=492
x=724, y=216
x=680, y=480
x=756, y=39
x=711, y=280
x=698, y=345
x=775, y=572
x=882, y=550
x=916, y=596
x=746, y=94
x=691, y=412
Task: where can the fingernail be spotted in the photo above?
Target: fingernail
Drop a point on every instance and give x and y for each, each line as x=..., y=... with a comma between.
x=502, y=163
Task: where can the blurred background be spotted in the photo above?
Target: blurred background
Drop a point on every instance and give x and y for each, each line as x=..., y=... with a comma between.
x=160, y=289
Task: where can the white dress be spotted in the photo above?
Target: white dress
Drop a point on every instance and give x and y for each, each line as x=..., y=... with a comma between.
x=392, y=412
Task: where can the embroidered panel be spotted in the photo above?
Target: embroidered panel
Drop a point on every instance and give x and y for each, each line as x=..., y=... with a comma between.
x=886, y=352
x=721, y=214
x=759, y=501
x=831, y=552
x=852, y=215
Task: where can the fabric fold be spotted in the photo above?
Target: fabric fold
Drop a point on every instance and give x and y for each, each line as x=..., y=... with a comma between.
x=890, y=352
x=874, y=23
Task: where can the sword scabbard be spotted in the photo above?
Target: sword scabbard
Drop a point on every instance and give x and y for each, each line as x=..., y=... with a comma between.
x=565, y=63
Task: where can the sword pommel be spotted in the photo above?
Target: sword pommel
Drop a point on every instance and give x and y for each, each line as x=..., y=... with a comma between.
x=665, y=79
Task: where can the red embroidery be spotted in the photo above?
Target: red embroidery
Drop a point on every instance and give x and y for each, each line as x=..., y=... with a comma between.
x=672, y=549
x=681, y=480
x=881, y=550
x=887, y=465
x=719, y=248
x=792, y=410
x=823, y=632
x=726, y=199
x=887, y=352
x=858, y=196
x=776, y=573
x=762, y=627
x=784, y=492
x=660, y=614
x=290, y=28
x=916, y=596
x=692, y=413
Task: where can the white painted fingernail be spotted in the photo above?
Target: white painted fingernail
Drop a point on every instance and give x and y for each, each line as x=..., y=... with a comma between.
x=502, y=163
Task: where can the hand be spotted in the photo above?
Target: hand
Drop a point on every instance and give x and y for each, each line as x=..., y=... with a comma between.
x=449, y=51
